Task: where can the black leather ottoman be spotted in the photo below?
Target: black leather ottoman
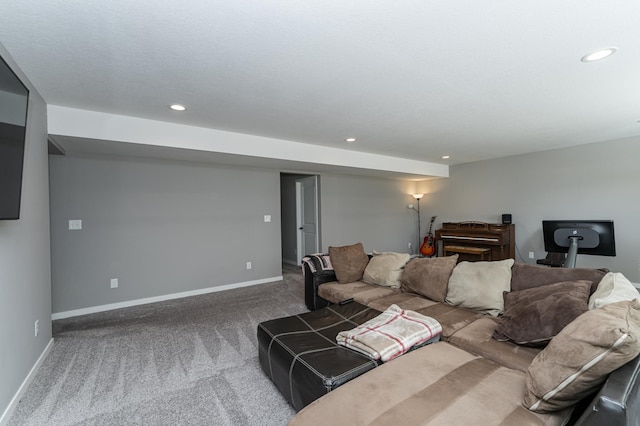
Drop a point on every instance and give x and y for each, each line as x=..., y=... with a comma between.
x=300, y=354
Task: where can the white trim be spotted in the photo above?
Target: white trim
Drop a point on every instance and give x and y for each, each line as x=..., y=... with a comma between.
x=129, y=303
x=87, y=124
x=4, y=419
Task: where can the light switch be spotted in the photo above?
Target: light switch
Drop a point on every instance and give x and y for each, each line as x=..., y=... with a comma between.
x=267, y=218
x=75, y=224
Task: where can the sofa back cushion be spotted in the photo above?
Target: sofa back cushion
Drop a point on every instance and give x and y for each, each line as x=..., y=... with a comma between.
x=429, y=276
x=479, y=286
x=527, y=276
x=581, y=356
x=348, y=262
x=385, y=268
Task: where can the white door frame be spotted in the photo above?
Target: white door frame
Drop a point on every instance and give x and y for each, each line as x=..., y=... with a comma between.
x=300, y=209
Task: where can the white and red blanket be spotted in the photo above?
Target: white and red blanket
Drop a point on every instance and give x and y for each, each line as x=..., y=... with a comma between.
x=390, y=334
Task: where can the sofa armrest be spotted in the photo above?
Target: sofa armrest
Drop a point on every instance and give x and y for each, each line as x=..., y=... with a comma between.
x=316, y=270
x=618, y=401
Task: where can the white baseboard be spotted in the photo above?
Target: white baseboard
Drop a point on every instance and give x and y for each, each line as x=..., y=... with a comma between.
x=129, y=303
x=4, y=419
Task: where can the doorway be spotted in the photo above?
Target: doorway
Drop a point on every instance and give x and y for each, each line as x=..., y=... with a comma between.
x=307, y=217
x=300, y=215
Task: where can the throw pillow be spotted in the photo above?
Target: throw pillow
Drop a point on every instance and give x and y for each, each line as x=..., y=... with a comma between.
x=429, y=276
x=479, y=285
x=614, y=287
x=348, y=262
x=581, y=356
x=385, y=268
x=535, y=315
x=527, y=276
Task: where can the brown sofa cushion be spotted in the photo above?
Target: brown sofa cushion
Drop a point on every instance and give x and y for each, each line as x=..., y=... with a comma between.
x=525, y=276
x=335, y=292
x=348, y=262
x=407, y=301
x=477, y=338
x=429, y=276
x=436, y=385
x=479, y=285
x=533, y=316
x=581, y=356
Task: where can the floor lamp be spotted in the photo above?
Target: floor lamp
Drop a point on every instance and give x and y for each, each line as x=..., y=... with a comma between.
x=417, y=197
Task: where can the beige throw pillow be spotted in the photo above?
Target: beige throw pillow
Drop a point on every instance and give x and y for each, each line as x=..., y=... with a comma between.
x=614, y=287
x=429, y=277
x=479, y=285
x=581, y=356
x=348, y=262
x=385, y=268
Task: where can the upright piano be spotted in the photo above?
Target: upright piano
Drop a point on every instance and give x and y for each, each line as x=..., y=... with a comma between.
x=475, y=241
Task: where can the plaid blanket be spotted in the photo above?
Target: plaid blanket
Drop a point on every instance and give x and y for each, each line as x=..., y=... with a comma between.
x=317, y=262
x=390, y=334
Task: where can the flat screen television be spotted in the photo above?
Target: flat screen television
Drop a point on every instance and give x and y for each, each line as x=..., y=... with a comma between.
x=14, y=98
x=595, y=237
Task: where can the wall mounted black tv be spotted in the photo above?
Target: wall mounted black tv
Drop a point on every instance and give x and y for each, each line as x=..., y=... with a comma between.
x=595, y=237
x=14, y=97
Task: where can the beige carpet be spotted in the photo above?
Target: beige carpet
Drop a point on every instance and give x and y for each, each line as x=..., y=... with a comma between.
x=190, y=361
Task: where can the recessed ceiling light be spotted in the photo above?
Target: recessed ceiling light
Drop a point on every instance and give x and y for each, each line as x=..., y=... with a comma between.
x=350, y=139
x=446, y=157
x=599, y=54
x=178, y=107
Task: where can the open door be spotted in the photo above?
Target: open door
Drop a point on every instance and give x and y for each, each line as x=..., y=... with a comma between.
x=307, y=216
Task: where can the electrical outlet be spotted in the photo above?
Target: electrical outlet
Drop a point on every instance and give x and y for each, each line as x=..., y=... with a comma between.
x=248, y=265
x=267, y=218
x=114, y=283
x=36, y=328
x=532, y=255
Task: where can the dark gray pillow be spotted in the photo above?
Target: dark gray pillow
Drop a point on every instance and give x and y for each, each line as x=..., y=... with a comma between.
x=534, y=316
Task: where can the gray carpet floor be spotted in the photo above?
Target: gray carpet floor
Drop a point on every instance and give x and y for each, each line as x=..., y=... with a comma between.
x=189, y=361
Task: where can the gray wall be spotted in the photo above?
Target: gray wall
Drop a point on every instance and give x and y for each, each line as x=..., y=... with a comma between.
x=159, y=227
x=168, y=227
x=595, y=181
x=25, y=278
x=370, y=210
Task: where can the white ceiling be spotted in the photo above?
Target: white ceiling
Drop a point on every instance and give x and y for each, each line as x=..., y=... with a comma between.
x=411, y=79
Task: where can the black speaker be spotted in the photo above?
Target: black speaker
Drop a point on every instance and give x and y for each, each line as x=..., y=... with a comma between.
x=506, y=218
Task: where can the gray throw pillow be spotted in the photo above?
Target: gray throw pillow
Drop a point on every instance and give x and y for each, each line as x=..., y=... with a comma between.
x=534, y=316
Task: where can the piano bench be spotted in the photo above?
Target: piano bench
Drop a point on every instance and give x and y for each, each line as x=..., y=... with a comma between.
x=482, y=253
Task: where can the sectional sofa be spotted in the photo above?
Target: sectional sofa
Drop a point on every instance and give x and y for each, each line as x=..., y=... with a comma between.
x=521, y=344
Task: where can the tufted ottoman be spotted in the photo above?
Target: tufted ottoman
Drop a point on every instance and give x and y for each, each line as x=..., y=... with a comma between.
x=300, y=354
